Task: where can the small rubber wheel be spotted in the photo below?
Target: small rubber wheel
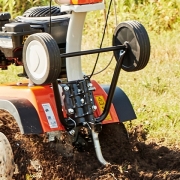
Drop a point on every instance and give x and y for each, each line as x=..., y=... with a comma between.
x=41, y=58
x=7, y=165
x=138, y=53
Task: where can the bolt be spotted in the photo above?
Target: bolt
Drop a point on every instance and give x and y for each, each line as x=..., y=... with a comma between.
x=89, y=85
x=66, y=88
x=121, y=52
x=83, y=143
x=71, y=111
x=91, y=88
x=82, y=101
x=84, y=123
x=94, y=108
x=72, y=132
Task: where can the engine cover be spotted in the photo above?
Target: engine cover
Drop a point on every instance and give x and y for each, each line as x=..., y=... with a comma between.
x=12, y=38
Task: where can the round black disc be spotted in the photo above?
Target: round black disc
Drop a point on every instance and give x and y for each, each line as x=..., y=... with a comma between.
x=138, y=53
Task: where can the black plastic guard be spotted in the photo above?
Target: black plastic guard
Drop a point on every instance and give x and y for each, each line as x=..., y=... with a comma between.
x=24, y=113
x=121, y=104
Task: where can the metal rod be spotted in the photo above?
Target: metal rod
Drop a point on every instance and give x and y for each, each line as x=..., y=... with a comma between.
x=93, y=51
x=112, y=87
x=98, y=148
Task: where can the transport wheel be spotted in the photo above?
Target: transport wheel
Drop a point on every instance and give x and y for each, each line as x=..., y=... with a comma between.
x=138, y=53
x=16, y=162
x=7, y=165
x=41, y=58
x=114, y=142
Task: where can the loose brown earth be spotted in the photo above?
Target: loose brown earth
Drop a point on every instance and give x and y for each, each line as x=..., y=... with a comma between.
x=135, y=159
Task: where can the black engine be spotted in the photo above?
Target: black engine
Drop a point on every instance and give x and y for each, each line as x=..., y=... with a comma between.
x=37, y=19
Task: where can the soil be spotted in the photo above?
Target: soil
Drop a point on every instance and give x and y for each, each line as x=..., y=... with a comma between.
x=133, y=158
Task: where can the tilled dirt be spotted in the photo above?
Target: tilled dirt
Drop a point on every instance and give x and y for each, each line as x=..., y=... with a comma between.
x=130, y=159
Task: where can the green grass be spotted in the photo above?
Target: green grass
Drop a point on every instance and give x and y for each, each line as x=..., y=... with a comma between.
x=10, y=75
x=153, y=91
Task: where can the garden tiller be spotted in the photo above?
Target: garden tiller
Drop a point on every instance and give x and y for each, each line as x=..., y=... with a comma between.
x=58, y=99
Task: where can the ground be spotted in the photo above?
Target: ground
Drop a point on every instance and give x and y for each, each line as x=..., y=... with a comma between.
x=130, y=159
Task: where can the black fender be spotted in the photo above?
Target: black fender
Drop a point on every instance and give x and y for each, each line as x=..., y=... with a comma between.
x=24, y=113
x=121, y=104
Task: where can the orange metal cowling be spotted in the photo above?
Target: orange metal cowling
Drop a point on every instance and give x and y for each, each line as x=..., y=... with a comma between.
x=80, y=2
x=41, y=96
x=100, y=97
x=77, y=2
x=37, y=95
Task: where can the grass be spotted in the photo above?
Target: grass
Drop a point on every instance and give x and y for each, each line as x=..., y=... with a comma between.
x=10, y=75
x=153, y=91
